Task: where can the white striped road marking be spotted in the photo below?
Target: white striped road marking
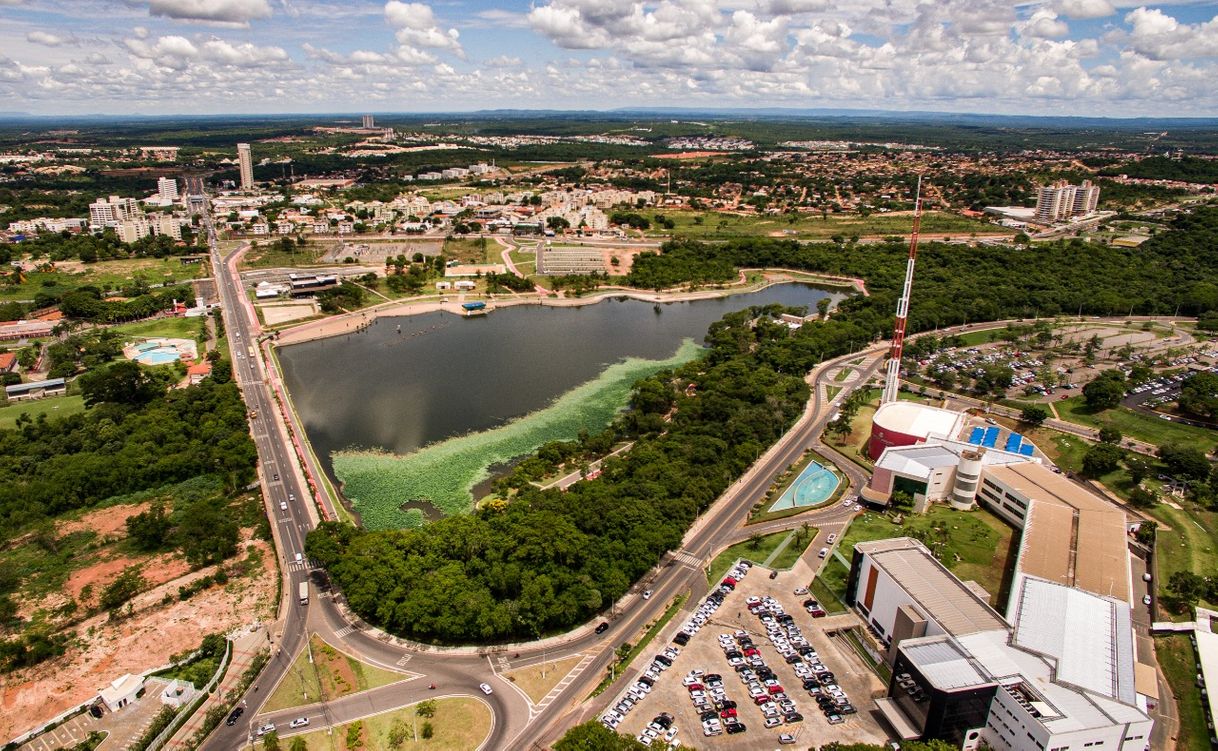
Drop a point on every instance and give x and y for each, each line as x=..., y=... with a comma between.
x=405, y=659
x=566, y=681
x=344, y=632
x=687, y=559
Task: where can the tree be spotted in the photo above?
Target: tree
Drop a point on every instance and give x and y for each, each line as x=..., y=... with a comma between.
x=1146, y=532
x=900, y=500
x=1105, y=391
x=558, y=223
x=593, y=736
x=1034, y=415
x=149, y=530
x=1199, y=395
x=1101, y=459
x=124, y=382
x=1185, y=462
x=426, y=708
x=1139, y=468
x=428, y=731
x=822, y=306
x=127, y=585
x=299, y=744
x=1185, y=588
x=1140, y=497
x=1109, y=434
x=207, y=533
x=270, y=741
x=397, y=735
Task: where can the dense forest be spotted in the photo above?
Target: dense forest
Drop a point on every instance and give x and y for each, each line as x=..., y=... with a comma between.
x=549, y=560
x=136, y=437
x=1189, y=169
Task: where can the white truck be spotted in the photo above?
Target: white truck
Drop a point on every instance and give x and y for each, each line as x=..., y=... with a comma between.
x=304, y=593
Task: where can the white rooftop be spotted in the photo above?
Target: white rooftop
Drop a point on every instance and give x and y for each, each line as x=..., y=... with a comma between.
x=920, y=459
x=945, y=664
x=1089, y=636
x=920, y=420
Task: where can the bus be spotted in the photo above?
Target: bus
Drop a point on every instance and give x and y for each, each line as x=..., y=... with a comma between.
x=304, y=593
x=253, y=355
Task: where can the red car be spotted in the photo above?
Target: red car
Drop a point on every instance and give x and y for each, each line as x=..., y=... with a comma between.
x=727, y=713
x=695, y=687
x=775, y=689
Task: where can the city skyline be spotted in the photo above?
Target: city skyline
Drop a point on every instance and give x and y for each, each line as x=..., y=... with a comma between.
x=1065, y=57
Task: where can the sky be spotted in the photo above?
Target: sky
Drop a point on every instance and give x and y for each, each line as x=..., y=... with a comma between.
x=165, y=57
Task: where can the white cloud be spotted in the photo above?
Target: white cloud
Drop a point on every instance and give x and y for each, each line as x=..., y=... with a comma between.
x=1085, y=8
x=1158, y=36
x=417, y=27
x=223, y=12
x=791, y=7
x=47, y=39
x=1045, y=24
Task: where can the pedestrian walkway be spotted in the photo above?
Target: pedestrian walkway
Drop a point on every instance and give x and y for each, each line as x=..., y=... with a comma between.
x=245, y=648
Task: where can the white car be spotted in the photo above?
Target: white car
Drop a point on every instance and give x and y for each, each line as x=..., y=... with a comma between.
x=647, y=594
x=283, y=505
x=486, y=688
x=299, y=722
x=270, y=726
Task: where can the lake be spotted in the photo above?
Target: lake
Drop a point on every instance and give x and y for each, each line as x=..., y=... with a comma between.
x=444, y=375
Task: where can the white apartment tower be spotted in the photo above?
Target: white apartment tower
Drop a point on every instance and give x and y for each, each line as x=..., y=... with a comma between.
x=1062, y=201
x=246, y=161
x=107, y=213
x=167, y=188
x=369, y=122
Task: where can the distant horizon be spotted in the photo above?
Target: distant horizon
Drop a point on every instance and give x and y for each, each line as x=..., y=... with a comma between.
x=658, y=112
x=1045, y=58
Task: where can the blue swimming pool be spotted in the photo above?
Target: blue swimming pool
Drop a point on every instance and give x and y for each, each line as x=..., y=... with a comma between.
x=813, y=486
x=158, y=356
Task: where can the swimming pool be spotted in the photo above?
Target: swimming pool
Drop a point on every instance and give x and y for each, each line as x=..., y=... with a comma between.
x=813, y=486
x=158, y=356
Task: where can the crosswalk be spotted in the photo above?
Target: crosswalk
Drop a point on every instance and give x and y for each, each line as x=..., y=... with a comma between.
x=301, y=566
x=562, y=685
x=344, y=632
x=687, y=559
x=404, y=659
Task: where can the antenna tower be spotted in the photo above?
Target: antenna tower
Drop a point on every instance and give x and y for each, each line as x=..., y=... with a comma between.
x=893, y=377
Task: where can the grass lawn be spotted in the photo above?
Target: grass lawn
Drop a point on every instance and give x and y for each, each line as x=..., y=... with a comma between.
x=794, y=549
x=832, y=391
x=473, y=250
x=108, y=275
x=55, y=406
x=539, y=680
x=842, y=374
x=459, y=724
x=332, y=672
x=1189, y=544
x=1179, y=662
x=172, y=327
x=756, y=549
x=975, y=545
x=701, y=224
x=1136, y=425
x=829, y=586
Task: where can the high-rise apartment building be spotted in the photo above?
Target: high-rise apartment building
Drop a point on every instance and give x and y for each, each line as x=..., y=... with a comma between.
x=103, y=212
x=246, y=162
x=167, y=188
x=369, y=122
x=1062, y=200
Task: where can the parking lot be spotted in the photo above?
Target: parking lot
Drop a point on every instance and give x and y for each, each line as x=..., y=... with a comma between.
x=743, y=672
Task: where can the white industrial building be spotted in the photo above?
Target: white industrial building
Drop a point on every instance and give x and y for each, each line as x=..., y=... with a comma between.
x=1059, y=674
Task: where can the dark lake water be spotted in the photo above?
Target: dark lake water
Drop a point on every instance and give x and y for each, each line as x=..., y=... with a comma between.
x=444, y=375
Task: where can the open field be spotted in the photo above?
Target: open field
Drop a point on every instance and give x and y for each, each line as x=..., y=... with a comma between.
x=171, y=327
x=713, y=225
x=475, y=250
x=1178, y=660
x=459, y=724
x=331, y=674
x=106, y=275
x=1136, y=425
x=55, y=406
x=975, y=545
x=269, y=254
x=1189, y=545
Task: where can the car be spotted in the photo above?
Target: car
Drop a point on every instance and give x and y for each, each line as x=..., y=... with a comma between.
x=299, y=722
x=486, y=688
x=283, y=505
x=604, y=626
x=646, y=594
x=232, y=718
x=801, y=590
x=1146, y=577
x=1146, y=599
x=823, y=552
x=834, y=718
x=299, y=557
x=793, y=717
x=276, y=477
x=270, y=726
x=735, y=727
x=786, y=739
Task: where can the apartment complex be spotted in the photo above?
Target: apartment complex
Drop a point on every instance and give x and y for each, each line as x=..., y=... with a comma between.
x=245, y=161
x=1062, y=200
x=109, y=212
x=369, y=122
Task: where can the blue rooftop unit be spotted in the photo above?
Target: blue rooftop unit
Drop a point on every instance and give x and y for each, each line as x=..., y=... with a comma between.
x=991, y=437
x=974, y=436
x=1026, y=449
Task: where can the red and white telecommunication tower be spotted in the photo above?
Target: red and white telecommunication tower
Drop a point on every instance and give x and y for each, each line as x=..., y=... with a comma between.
x=892, y=378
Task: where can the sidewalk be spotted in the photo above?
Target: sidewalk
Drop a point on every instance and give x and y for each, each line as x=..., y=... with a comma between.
x=245, y=648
